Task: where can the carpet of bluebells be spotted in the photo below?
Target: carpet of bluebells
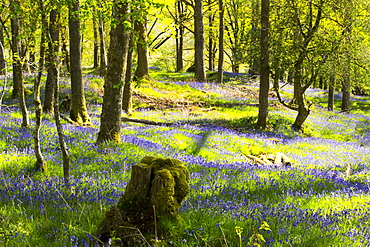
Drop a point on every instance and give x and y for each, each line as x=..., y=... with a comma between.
x=323, y=199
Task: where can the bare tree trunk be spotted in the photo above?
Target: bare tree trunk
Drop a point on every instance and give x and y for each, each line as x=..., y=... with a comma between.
x=180, y=37
x=18, y=87
x=103, y=55
x=78, y=109
x=265, y=68
x=211, y=18
x=346, y=83
x=66, y=55
x=331, y=93
x=220, y=42
x=40, y=164
x=53, y=32
x=110, y=123
x=254, y=56
x=55, y=61
x=127, y=90
x=200, y=74
x=142, y=69
x=96, y=43
x=303, y=111
x=2, y=52
x=346, y=93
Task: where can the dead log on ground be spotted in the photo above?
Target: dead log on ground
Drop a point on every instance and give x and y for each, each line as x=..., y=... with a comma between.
x=143, y=121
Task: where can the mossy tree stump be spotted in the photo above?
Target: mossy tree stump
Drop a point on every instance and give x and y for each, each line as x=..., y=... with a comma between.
x=154, y=193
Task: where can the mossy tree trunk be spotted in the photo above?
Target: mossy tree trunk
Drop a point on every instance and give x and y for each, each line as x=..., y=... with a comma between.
x=154, y=194
x=78, y=109
x=110, y=122
x=142, y=69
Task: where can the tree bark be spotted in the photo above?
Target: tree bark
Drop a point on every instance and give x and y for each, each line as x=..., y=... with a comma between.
x=2, y=52
x=346, y=83
x=200, y=74
x=53, y=32
x=78, y=108
x=255, y=34
x=96, y=43
x=346, y=93
x=40, y=164
x=18, y=87
x=110, y=123
x=142, y=69
x=103, y=55
x=211, y=56
x=127, y=90
x=220, y=42
x=331, y=93
x=265, y=68
x=54, y=66
x=66, y=56
x=179, y=36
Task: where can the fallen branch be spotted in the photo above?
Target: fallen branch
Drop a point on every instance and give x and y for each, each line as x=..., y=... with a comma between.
x=69, y=120
x=126, y=119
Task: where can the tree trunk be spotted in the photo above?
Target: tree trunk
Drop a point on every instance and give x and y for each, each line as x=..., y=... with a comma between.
x=142, y=69
x=78, y=108
x=54, y=66
x=211, y=35
x=346, y=83
x=265, y=68
x=66, y=55
x=49, y=90
x=254, y=56
x=154, y=194
x=303, y=113
x=62, y=143
x=96, y=43
x=18, y=87
x=40, y=164
x=179, y=37
x=2, y=52
x=103, y=55
x=17, y=65
x=110, y=123
x=346, y=93
x=53, y=31
x=200, y=74
x=220, y=42
x=127, y=90
x=331, y=93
